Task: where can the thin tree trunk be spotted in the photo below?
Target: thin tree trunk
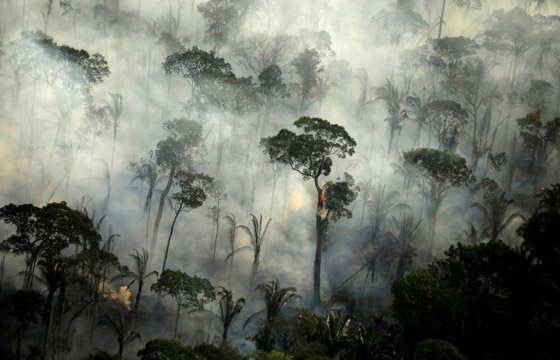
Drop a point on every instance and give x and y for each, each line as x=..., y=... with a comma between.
x=137, y=303
x=162, y=198
x=169, y=240
x=320, y=227
x=441, y=19
x=217, y=231
x=176, y=322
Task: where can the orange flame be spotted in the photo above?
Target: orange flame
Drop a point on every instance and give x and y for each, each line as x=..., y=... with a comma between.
x=322, y=197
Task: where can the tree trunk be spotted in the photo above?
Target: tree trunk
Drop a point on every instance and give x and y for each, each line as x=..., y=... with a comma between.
x=169, y=240
x=321, y=228
x=441, y=19
x=176, y=322
x=137, y=303
x=121, y=345
x=217, y=231
x=162, y=198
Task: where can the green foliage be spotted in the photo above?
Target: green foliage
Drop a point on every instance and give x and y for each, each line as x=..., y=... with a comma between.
x=210, y=352
x=540, y=233
x=270, y=82
x=435, y=349
x=104, y=355
x=539, y=136
x=181, y=146
x=549, y=198
x=192, y=190
x=166, y=349
x=190, y=292
x=273, y=355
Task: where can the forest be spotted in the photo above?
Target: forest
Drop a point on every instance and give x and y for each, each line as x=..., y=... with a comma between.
x=280, y=179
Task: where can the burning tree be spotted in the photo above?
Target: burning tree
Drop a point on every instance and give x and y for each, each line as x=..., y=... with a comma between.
x=310, y=154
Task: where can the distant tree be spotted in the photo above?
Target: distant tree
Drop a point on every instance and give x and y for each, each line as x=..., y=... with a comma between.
x=307, y=67
x=232, y=236
x=229, y=310
x=178, y=151
x=165, y=349
x=217, y=193
x=276, y=298
x=222, y=18
x=28, y=306
x=448, y=55
x=446, y=119
x=538, y=138
x=139, y=274
x=538, y=95
x=272, y=88
x=468, y=4
x=189, y=292
x=259, y=51
x=114, y=110
x=393, y=99
x=405, y=231
x=310, y=154
x=440, y=171
x=256, y=237
x=192, y=193
x=122, y=327
x=495, y=214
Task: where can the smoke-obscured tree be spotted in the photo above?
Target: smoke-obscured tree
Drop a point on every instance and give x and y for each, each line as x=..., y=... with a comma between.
x=418, y=107
x=512, y=32
x=405, y=231
x=311, y=154
x=400, y=19
x=549, y=198
x=193, y=189
x=67, y=152
x=28, y=306
x=447, y=118
x=476, y=89
x=256, y=236
x=139, y=274
x=369, y=342
x=448, y=55
x=217, y=192
x=114, y=109
x=393, y=99
x=440, y=170
x=229, y=310
x=96, y=122
x=332, y=331
x=189, y=292
x=231, y=237
x=538, y=95
x=307, y=67
x=495, y=212
x=275, y=298
x=70, y=73
x=259, y=51
x=195, y=65
x=538, y=138
x=121, y=326
x=42, y=233
x=222, y=18
x=272, y=88
x=176, y=152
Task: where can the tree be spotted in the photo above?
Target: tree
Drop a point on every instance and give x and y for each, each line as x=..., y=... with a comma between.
x=369, y=342
x=191, y=195
x=407, y=229
x=276, y=298
x=332, y=331
x=256, y=237
x=221, y=19
x=307, y=67
x=42, y=233
x=217, y=193
x=229, y=310
x=538, y=139
x=393, y=99
x=194, y=65
x=495, y=214
x=165, y=349
x=272, y=88
x=440, y=171
x=189, y=292
x=310, y=155
x=435, y=349
x=28, y=306
x=174, y=153
x=139, y=275
x=446, y=119
x=232, y=236
x=103, y=355
x=549, y=198
x=121, y=326
x=114, y=110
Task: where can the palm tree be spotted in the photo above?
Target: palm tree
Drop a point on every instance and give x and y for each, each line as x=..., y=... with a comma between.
x=139, y=275
x=367, y=342
x=393, y=99
x=148, y=172
x=495, y=214
x=332, y=331
x=407, y=229
x=229, y=310
x=232, y=236
x=114, y=109
x=121, y=326
x=322, y=89
x=549, y=198
x=364, y=199
x=275, y=297
x=256, y=237
x=68, y=154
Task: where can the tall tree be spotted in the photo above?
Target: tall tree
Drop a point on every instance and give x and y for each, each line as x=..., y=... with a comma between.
x=307, y=66
x=229, y=310
x=178, y=151
x=440, y=171
x=114, y=109
x=189, y=292
x=191, y=195
x=222, y=19
x=310, y=154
